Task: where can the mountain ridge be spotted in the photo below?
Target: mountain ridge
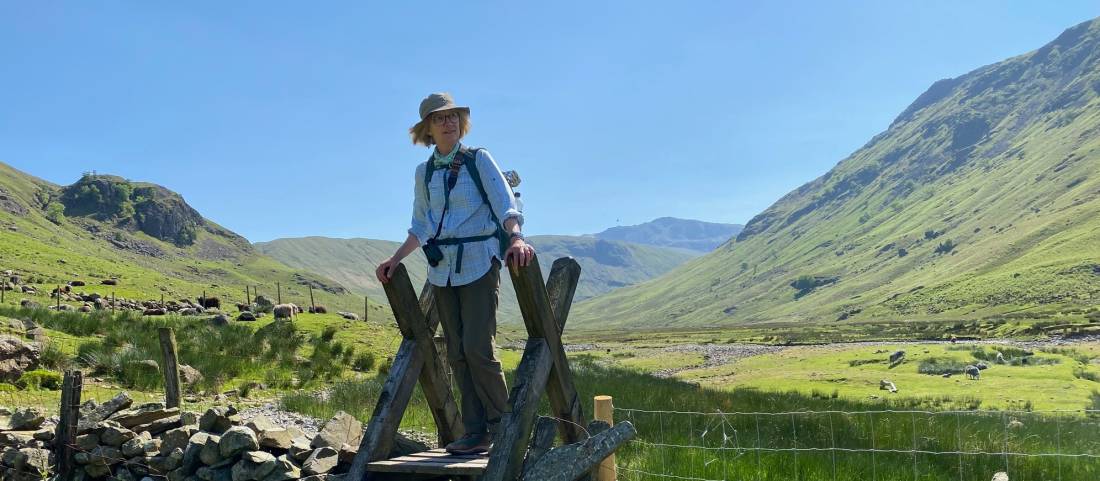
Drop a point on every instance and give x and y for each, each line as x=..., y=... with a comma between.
x=978, y=199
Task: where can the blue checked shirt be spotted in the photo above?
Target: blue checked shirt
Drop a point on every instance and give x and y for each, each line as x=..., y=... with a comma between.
x=467, y=216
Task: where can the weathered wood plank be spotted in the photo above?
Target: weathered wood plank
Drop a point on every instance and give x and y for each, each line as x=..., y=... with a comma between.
x=65, y=435
x=545, y=431
x=433, y=377
x=171, y=367
x=392, y=401
x=561, y=286
x=572, y=461
x=510, y=444
x=540, y=319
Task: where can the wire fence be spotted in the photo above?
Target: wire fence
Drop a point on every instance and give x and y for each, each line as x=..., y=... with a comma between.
x=867, y=445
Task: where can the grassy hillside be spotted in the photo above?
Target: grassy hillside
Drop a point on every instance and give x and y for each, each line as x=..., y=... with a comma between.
x=606, y=265
x=143, y=235
x=694, y=235
x=979, y=200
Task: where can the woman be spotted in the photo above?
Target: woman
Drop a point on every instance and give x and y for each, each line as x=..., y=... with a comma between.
x=463, y=218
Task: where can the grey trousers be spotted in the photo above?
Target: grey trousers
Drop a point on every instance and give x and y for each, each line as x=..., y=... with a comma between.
x=468, y=314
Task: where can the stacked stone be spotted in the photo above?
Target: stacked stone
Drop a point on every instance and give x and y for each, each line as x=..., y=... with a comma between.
x=150, y=442
x=26, y=455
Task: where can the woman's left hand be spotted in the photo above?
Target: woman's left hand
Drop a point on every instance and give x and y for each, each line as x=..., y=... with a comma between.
x=519, y=253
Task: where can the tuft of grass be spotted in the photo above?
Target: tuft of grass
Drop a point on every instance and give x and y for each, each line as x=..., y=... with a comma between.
x=40, y=379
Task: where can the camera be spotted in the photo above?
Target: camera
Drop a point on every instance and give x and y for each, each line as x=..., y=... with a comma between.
x=432, y=252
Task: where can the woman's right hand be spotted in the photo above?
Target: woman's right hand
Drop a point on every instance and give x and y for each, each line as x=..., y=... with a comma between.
x=385, y=269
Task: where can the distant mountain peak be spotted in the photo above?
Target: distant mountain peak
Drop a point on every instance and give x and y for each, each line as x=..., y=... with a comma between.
x=695, y=235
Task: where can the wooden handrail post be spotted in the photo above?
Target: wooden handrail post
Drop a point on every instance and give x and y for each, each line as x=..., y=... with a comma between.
x=171, y=367
x=65, y=435
x=603, y=409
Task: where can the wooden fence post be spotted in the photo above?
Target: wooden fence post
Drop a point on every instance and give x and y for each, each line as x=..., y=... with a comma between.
x=247, y=300
x=278, y=293
x=65, y=434
x=171, y=367
x=366, y=309
x=59, y=298
x=312, y=304
x=3, y=288
x=603, y=408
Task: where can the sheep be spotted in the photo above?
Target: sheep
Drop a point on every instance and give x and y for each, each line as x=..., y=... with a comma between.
x=897, y=356
x=284, y=311
x=972, y=372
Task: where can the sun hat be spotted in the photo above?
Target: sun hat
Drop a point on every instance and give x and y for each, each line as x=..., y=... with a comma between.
x=439, y=101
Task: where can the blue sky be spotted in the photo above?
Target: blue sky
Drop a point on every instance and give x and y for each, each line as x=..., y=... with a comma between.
x=285, y=119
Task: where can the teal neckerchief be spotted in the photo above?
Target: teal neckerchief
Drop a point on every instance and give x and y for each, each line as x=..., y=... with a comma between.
x=443, y=161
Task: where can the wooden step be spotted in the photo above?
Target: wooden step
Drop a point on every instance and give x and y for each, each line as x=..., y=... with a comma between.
x=436, y=461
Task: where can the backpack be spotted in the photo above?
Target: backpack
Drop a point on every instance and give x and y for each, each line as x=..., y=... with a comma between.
x=469, y=159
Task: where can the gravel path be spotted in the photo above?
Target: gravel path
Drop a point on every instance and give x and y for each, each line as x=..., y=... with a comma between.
x=717, y=354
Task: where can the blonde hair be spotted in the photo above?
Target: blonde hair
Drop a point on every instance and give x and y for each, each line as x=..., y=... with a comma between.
x=421, y=133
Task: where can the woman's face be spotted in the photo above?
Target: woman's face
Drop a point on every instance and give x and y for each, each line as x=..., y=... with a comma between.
x=444, y=127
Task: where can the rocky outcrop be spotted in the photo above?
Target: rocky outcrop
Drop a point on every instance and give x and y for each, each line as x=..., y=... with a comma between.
x=16, y=357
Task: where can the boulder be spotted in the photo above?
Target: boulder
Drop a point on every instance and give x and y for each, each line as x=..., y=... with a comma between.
x=218, y=419
x=91, y=413
x=192, y=453
x=189, y=375
x=214, y=474
x=263, y=304
x=277, y=438
x=220, y=320
x=140, y=445
x=124, y=474
x=175, y=438
x=113, y=434
x=246, y=316
x=97, y=470
x=35, y=461
x=87, y=442
x=159, y=311
x=105, y=456
x=109, y=282
x=16, y=357
x=260, y=424
x=321, y=461
x=27, y=419
x=209, y=453
x=160, y=425
x=253, y=466
x=341, y=429
x=45, y=434
x=165, y=463
x=29, y=304
x=299, y=449
x=285, y=470
x=236, y=440
x=144, y=414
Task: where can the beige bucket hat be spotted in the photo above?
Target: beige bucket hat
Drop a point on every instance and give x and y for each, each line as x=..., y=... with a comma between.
x=439, y=101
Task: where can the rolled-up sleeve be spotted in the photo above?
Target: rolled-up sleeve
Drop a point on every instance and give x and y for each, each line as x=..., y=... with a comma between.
x=501, y=199
x=419, y=225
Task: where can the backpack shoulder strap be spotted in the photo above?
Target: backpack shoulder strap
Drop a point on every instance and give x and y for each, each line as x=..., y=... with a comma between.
x=470, y=161
x=429, y=169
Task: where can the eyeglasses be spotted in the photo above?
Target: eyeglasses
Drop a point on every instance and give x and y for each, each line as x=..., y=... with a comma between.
x=440, y=118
